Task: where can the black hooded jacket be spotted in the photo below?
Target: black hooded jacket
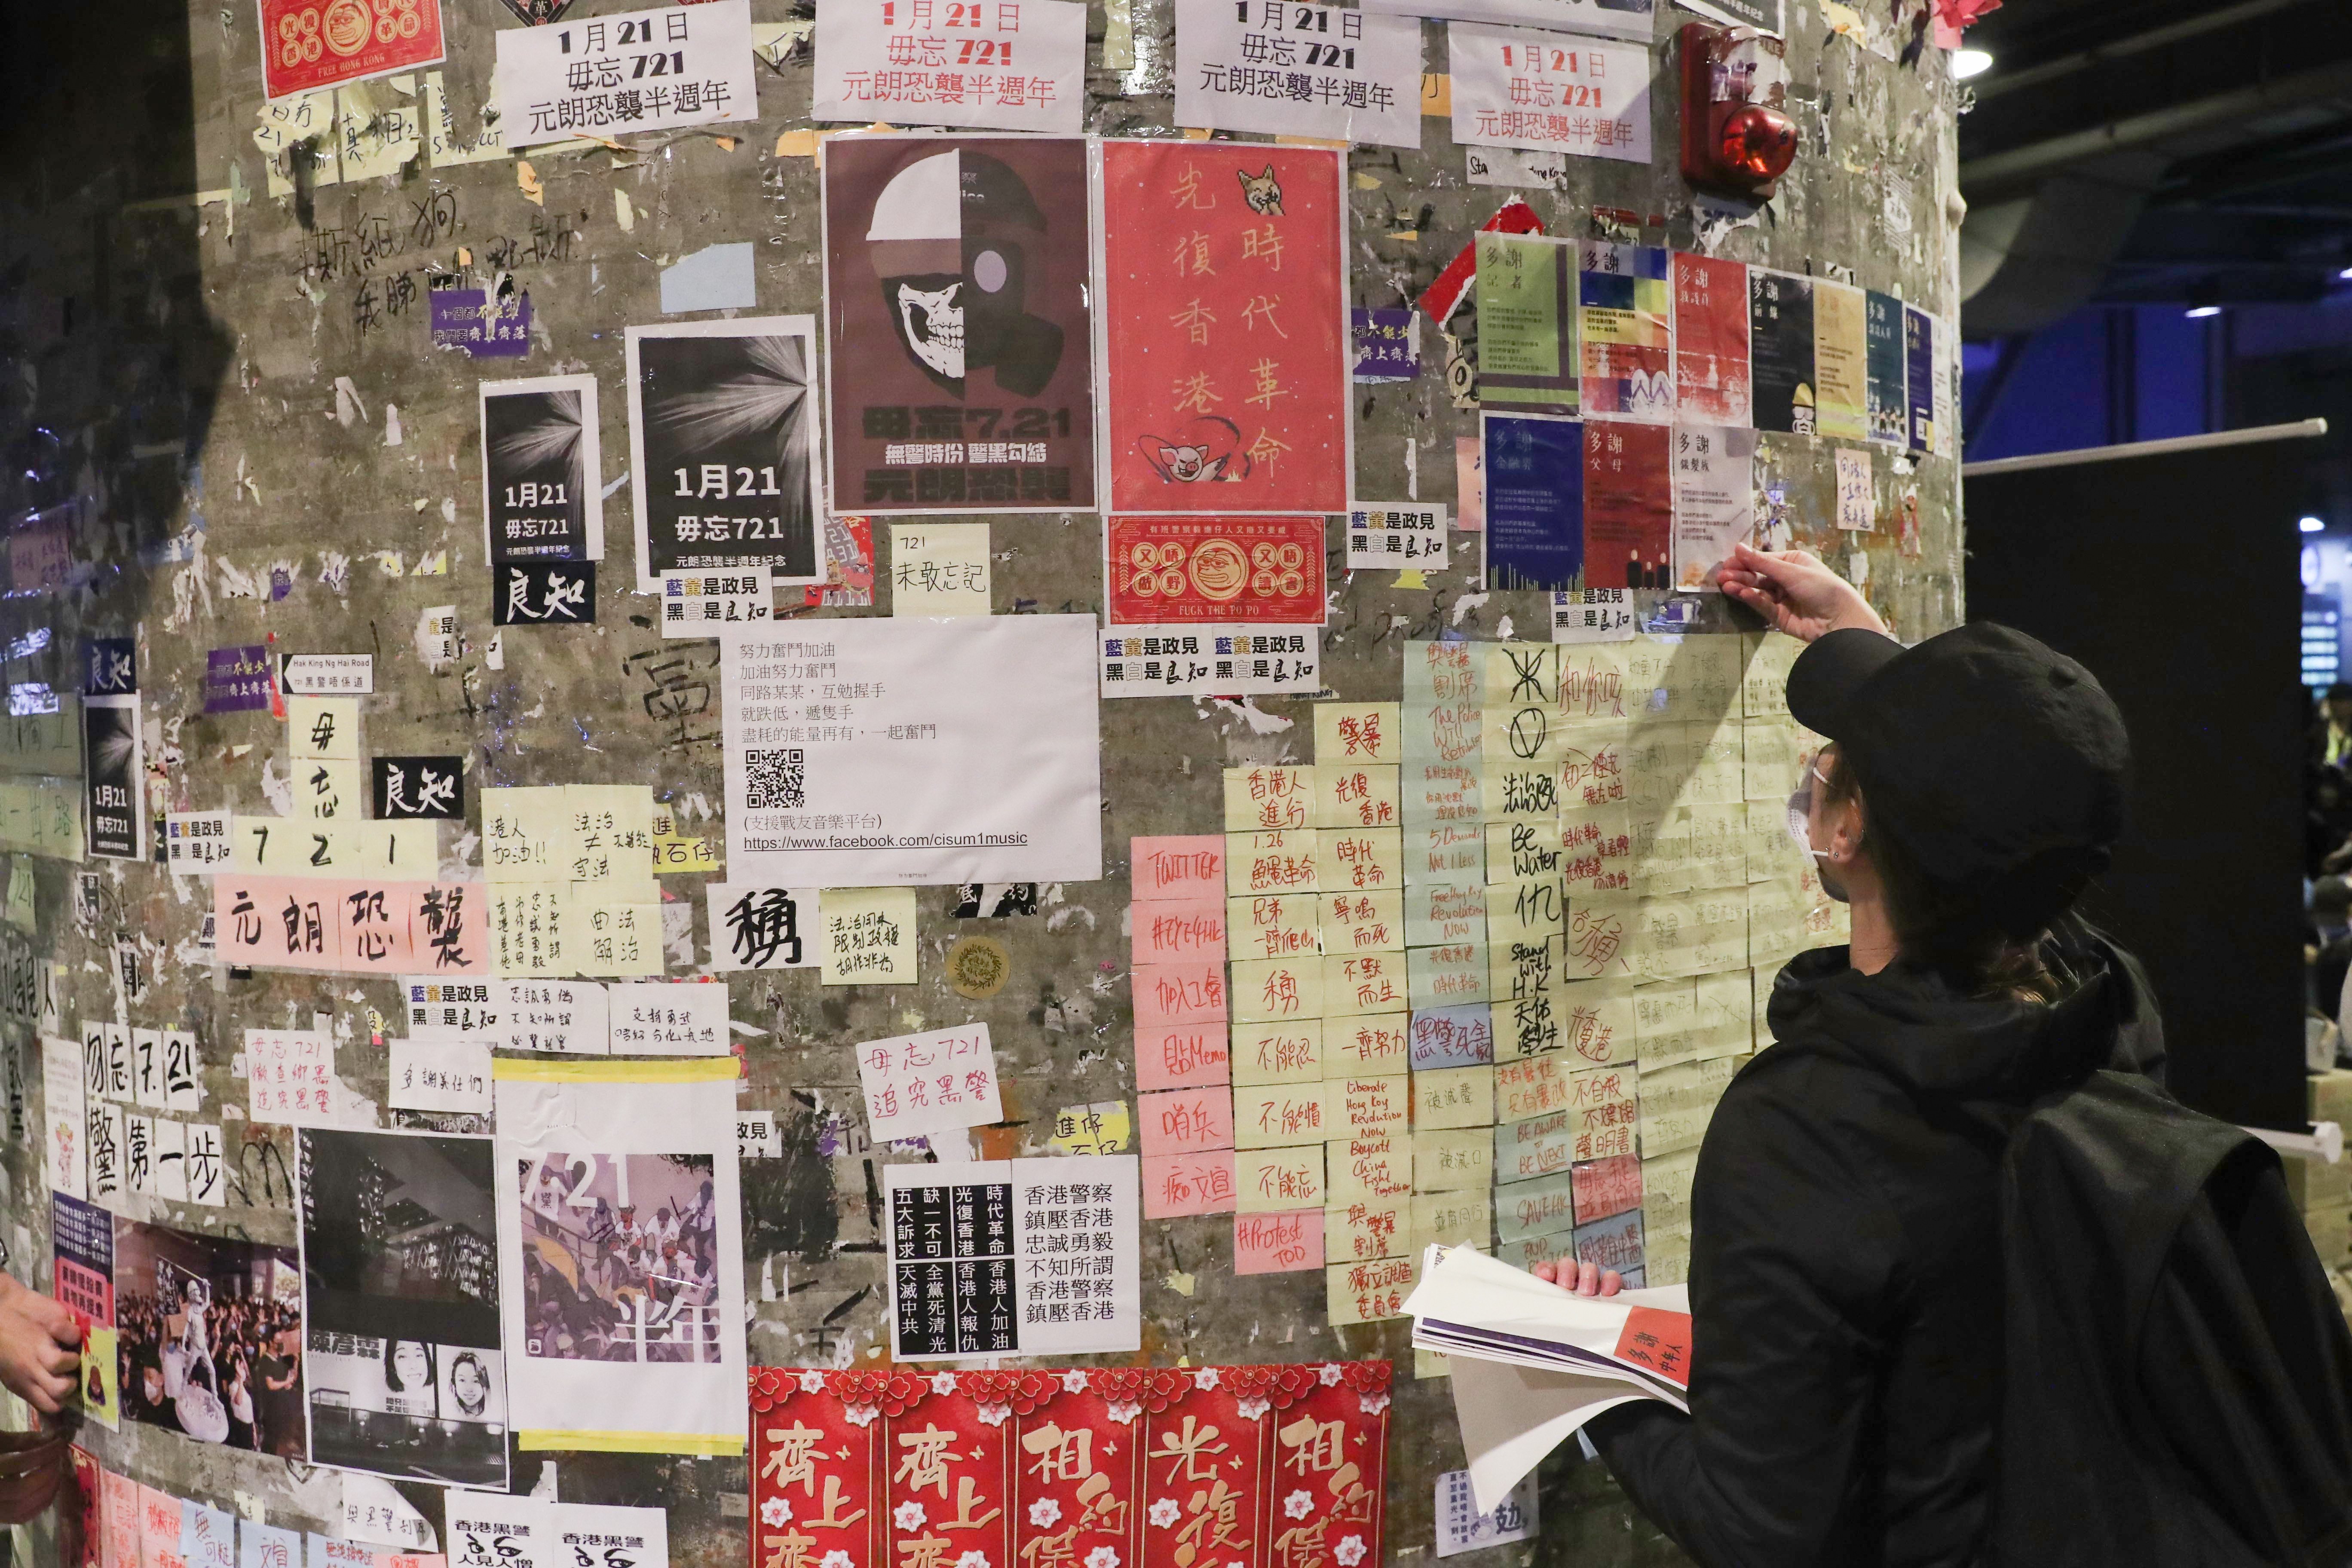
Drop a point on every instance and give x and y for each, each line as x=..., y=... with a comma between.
x=1846, y=1278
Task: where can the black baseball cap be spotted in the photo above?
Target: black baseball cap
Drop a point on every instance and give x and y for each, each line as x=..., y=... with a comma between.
x=1997, y=764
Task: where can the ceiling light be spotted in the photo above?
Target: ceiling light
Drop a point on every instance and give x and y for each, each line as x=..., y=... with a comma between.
x=2314, y=525
x=1967, y=63
x=2345, y=276
x=2198, y=312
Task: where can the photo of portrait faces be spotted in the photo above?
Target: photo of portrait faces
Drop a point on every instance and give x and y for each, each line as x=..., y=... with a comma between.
x=400, y=1284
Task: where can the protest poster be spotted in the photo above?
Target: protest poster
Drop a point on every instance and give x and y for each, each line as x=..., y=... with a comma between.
x=542, y=478
x=211, y=1337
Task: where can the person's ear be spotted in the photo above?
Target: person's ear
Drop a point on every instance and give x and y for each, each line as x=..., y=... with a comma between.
x=1847, y=825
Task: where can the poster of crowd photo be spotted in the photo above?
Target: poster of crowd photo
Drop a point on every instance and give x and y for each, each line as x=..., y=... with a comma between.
x=401, y=1286
x=620, y=1257
x=211, y=1337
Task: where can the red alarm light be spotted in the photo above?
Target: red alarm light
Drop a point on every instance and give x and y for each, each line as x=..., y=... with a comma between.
x=1737, y=139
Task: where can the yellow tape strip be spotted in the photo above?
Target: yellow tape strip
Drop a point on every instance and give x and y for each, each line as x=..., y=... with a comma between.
x=686, y=1069
x=627, y=1442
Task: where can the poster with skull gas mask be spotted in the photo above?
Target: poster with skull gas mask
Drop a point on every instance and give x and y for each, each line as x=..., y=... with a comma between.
x=962, y=359
x=724, y=448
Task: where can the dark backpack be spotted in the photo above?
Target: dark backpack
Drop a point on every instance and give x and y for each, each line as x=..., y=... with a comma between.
x=2179, y=1386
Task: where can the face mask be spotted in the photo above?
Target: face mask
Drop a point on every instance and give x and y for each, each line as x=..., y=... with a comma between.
x=1801, y=811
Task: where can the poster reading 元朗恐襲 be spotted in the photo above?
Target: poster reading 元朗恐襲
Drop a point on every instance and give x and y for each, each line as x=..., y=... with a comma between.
x=962, y=371
x=1225, y=326
x=997, y=64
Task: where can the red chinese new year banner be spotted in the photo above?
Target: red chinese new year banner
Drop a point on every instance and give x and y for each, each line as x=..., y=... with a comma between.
x=1226, y=327
x=1184, y=571
x=309, y=44
x=1237, y=1467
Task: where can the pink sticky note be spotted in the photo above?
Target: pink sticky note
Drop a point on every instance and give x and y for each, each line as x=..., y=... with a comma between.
x=1182, y=1056
x=1187, y=866
x=1278, y=1243
x=1190, y=992
x=1187, y=1120
x=1177, y=930
x=1178, y=1184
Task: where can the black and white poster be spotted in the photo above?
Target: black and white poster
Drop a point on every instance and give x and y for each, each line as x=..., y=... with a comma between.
x=724, y=454
x=543, y=478
x=544, y=594
x=428, y=789
x=400, y=1284
x=111, y=743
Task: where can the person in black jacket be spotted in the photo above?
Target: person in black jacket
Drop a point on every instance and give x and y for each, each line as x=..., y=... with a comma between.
x=1846, y=1278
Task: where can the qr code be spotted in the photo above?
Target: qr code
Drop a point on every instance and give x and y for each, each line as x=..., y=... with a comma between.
x=779, y=780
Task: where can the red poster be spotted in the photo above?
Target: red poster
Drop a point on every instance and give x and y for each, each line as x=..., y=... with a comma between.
x=1225, y=323
x=1263, y=1467
x=1184, y=571
x=1711, y=341
x=1658, y=1339
x=1628, y=506
x=312, y=44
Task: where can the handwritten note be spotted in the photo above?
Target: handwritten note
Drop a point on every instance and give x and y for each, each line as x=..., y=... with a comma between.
x=937, y=1082
x=658, y=1018
x=291, y=1076
x=869, y=936
x=1278, y=1243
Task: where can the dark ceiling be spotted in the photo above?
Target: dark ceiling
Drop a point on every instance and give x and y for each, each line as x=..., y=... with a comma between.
x=2157, y=152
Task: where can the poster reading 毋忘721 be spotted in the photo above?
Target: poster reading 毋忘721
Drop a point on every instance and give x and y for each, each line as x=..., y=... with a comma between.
x=961, y=353
x=541, y=480
x=1224, y=328
x=724, y=447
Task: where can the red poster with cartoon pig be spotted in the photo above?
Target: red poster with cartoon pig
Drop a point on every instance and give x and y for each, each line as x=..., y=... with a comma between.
x=1226, y=327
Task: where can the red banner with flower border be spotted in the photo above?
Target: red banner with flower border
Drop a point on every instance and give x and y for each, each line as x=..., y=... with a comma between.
x=1248, y=1466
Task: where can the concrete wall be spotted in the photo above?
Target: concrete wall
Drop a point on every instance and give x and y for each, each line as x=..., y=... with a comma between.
x=177, y=337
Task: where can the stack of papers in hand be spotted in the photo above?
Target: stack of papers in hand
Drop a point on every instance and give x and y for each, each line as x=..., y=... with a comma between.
x=1532, y=1363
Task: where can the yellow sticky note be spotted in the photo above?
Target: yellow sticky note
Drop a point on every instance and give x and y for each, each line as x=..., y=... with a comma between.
x=1268, y=1181
x=1454, y=1097
x=530, y=929
x=1368, y=1292
x=1359, y=859
x=328, y=788
x=405, y=851
x=1364, y=1229
x=1269, y=799
x=1361, y=922
x=1276, y=991
x=1536, y=1086
x=1374, y=1045
x=1356, y=795
x=616, y=939
x=1517, y=851
x=1280, y=1115
x=1352, y=734
x=1727, y=1017
x=1599, y=1021
x=869, y=936
x=526, y=834
x=1104, y=1127
x=1452, y=1162
x=1357, y=983
x=939, y=568
x=1452, y=1219
x=1367, y=1168
x=1270, y=863
x=323, y=727
x=1278, y=1053
x=609, y=834
x=1374, y=1107
x=1274, y=925
x=1528, y=910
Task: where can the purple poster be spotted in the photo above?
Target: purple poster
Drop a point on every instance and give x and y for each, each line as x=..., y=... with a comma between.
x=237, y=679
x=467, y=319
x=1387, y=347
